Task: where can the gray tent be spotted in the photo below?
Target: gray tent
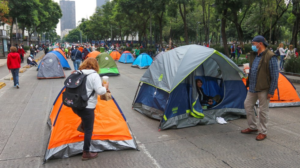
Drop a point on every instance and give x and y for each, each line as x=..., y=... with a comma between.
x=50, y=67
x=168, y=89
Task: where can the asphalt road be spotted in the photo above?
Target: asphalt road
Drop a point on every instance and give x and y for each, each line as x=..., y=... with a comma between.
x=24, y=133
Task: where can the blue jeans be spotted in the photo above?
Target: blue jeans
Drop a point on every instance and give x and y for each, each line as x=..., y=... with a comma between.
x=15, y=74
x=76, y=64
x=281, y=61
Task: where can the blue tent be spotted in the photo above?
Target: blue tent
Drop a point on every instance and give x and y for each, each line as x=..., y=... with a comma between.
x=168, y=90
x=126, y=58
x=64, y=63
x=142, y=61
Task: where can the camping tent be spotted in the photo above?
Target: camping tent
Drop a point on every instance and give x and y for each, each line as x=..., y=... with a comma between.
x=111, y=131
x=142, y=61
x=107, y=65
x=64, y=63
x=126, y=58
x=285, y=95
x=50, y=67
x=93, y=54
x=115, y=55
x=60, y=51
x=158, y=55
x=168, y=92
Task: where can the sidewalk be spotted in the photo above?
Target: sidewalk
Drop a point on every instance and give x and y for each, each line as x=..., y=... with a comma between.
x=3, y=61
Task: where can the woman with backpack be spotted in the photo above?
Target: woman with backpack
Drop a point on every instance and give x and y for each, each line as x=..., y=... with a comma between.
x=94, y=87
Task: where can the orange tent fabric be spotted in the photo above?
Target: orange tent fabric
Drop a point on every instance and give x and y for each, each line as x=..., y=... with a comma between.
x=60, y=51
x=285, y=94
x=109, y=125
x=115, y=55
x=93, y=54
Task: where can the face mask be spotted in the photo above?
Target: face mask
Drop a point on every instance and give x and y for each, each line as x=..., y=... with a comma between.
x=254, y=48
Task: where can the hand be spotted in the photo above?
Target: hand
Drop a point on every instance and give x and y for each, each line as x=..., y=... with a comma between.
x=270, y=96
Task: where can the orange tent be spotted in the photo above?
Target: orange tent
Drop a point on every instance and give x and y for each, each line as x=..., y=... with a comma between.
x=93, y=54
x=115, y=55
x=60, y=51
x=126, y=52
x=111, y=131
x=285, y=95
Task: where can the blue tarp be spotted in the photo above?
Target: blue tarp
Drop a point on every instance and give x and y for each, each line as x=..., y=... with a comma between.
x=126, y=58
x=143, y=61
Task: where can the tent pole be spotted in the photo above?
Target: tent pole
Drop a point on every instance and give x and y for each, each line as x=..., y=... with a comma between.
x=136, y=93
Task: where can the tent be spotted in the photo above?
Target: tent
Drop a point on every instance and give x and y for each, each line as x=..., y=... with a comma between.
x=50, y=67
x=107, y=65
x=102, y=49
x=126, y=57
x=167, y=91
x=285, y=95
x=60, y=51
x=159, y=55
x=111, y=131
x=93, y=54
x=64, y=63
x=142, y=61
x=115, y=55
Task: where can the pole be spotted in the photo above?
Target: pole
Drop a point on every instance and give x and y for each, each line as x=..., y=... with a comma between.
x=208, y=24
x=197, y=33
x=221, y=34
x=80, y=37
x=16, y=32
x=150, y=31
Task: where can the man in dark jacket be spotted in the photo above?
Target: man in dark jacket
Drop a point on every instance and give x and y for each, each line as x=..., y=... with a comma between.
x=85, y=52
x=262, y=82
x=76, y=57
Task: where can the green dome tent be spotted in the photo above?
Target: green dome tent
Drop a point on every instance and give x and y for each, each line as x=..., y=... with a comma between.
x=107, y=66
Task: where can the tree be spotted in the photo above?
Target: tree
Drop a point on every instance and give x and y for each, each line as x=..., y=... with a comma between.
x=4, y=10
x=222, y=10
x=296, y=13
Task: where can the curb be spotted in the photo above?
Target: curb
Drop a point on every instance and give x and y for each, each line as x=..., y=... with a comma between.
x=22, y=70
x=294, y=80
x=2, y=84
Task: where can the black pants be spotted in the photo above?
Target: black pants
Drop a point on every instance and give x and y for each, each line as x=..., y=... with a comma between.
x=87, y=117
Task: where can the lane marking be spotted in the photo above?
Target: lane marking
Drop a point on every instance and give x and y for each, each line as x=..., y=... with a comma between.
x=144, y=149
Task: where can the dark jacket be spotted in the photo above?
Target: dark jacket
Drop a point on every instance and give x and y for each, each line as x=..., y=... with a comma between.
x=77, y=54
x=263, y=73
x=203, y=98
x=85, y=52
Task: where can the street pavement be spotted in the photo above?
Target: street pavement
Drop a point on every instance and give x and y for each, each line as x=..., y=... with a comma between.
x=24, y=133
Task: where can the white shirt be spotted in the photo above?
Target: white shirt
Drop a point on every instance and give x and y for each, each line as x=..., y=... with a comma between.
x=282, y=51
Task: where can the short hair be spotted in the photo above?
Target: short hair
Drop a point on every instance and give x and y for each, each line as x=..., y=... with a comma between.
x=291, y=47
x=13, y=49
x=90, y=63
x=76, y=47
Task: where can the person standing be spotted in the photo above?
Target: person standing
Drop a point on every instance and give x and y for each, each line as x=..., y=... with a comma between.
x=66, y=52
x=239, y=51
x=46, y=49
x=290, y=53
x=232, y=49
x=137, y=52
x=14, y=64
x=282, y=53
x=22, y=53
x=32, y=51
x=76, y=57
x=85, y=52
x=262, y=82
x=94, y=85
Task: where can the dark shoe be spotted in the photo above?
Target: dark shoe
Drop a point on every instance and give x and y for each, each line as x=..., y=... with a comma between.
x=88, y=155
x=248, y=131
x=261, y=137
x=80, y=128
x=17, y=86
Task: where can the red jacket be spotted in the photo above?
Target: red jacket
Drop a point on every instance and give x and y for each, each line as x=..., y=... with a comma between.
x=21, y=51
x=13, y=60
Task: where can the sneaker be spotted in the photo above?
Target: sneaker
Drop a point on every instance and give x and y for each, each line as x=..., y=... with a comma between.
x=17, y=86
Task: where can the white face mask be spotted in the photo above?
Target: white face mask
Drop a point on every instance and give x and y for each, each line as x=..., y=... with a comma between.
x=20, y=47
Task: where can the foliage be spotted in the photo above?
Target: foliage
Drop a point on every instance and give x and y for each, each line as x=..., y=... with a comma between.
x=292, y=65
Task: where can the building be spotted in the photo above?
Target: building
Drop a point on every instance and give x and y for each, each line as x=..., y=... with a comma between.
x=68, y=20
x=65, y=32
x=100, y=3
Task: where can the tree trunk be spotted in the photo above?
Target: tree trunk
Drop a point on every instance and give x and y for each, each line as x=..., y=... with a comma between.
x=224, y=38
x=183, y=16
x=11, y=31
x=295, y=32
x=239, y=30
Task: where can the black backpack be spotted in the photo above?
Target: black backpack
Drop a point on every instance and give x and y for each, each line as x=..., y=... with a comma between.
x=75, y=95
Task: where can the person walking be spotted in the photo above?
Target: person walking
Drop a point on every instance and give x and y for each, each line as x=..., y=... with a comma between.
x=137, y=52
x=46, y=49
x=282, y=53
x=262, y=82
x=14, y=64
x=76, y=57
x=232, y=49
x=22, y=53
x=239, y=51
x=66, y=52
x=32, y=51
x=94, y=85
x=85, y=52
